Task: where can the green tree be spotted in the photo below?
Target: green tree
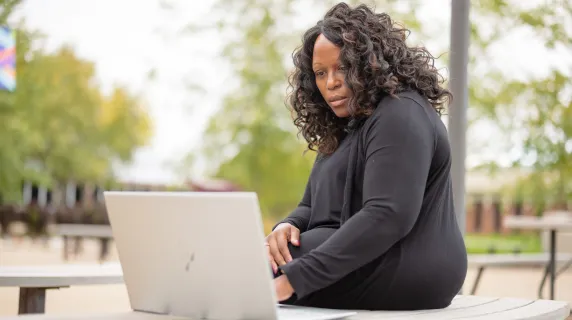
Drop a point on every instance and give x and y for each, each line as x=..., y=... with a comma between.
x=59, y=125
x=535, y=113
x=6, y=9
x=253, y=127
x=77, y=131
x=15, y=140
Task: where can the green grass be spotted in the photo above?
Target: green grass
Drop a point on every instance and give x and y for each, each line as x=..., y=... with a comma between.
x=526, y=243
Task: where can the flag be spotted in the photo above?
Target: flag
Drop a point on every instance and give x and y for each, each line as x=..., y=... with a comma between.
x=7, y=59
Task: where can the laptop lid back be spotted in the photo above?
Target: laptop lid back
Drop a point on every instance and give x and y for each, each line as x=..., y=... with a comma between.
x=193, y=254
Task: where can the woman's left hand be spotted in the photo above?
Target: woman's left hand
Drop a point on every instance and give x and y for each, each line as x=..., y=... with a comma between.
x=283, y=287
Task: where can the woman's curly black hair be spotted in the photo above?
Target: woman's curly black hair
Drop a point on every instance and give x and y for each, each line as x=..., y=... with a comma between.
x=378, y=63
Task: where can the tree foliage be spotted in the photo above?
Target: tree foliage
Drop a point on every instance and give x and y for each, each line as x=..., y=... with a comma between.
x=252, y=129
x=73, y=123
x=58, y=124
x=533, y=113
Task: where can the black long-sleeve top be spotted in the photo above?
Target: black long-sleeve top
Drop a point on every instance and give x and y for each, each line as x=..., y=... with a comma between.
x=387, y=183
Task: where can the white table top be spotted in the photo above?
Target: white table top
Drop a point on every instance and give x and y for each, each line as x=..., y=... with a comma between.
x=63, y=275
x=83, y=230
x=538, y=223
x=463, y=307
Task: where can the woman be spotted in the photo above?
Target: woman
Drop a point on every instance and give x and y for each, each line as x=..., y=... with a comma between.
x=376, y=227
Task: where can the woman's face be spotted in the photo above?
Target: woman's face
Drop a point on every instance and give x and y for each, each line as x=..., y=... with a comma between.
x=330, y=76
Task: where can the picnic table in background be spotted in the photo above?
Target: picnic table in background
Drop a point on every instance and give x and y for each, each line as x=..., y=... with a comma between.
x=551, y=222
x=33, y=281
x=72, y=230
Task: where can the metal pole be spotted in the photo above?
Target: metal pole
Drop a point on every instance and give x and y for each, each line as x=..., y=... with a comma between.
x=457, y=122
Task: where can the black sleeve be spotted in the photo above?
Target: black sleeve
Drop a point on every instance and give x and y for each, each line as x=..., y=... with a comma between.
x=300, y=217
x=398, y=144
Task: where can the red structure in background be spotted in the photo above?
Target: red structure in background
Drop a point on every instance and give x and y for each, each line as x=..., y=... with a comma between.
x=212, y=186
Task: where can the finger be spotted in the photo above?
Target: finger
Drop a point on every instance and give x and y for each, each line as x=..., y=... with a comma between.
x=295, y=236
x=274, y=266
x=271, y=259
x=282, y=241
x=275, y=252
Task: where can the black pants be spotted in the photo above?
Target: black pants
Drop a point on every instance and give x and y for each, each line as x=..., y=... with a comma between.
x=390, y=282
x=344, y=294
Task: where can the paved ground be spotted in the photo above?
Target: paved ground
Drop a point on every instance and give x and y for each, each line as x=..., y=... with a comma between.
x=88, y=299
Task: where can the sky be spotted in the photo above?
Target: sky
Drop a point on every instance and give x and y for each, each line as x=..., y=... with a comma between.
x=127, y=38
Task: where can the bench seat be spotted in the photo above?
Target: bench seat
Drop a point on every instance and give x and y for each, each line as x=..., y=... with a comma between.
x=463, y=307
x=482, y=261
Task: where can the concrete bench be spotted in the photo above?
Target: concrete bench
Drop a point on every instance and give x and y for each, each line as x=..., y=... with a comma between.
x=33, y=281
x=482, y=261
x=463, y=307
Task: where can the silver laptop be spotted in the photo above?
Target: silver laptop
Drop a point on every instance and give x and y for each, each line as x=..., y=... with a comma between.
x=198, y=255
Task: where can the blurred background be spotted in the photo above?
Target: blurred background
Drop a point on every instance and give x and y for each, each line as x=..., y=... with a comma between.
x=190, y=96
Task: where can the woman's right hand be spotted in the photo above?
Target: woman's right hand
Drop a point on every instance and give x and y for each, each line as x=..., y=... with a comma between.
x=277, y=244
